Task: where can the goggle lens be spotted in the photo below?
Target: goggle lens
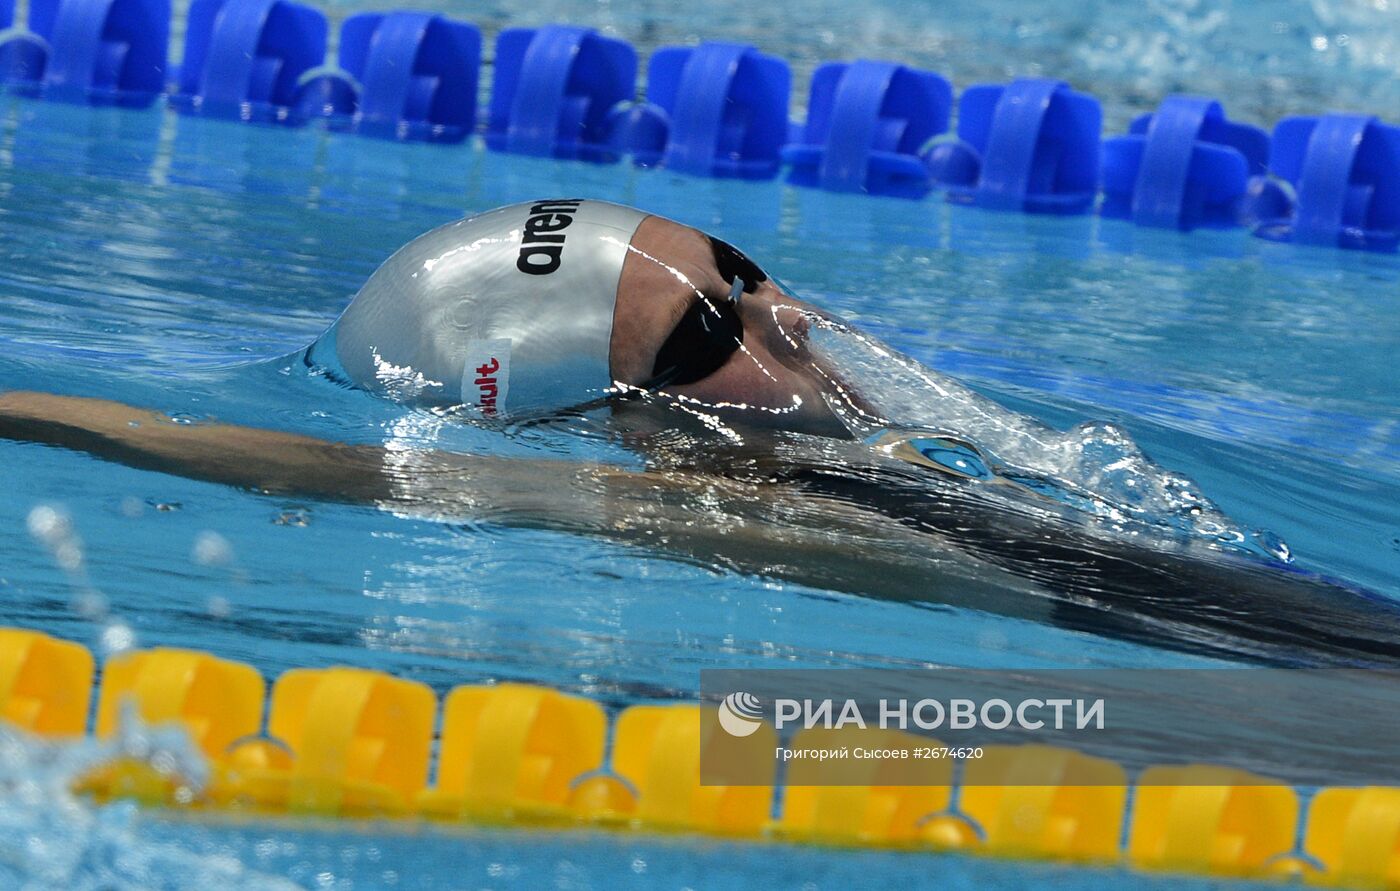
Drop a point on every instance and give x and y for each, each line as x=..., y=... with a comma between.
x=709, y=333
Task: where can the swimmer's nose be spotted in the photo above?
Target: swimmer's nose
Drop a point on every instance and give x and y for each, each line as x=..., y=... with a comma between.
x=760, y=303
x=769, y=310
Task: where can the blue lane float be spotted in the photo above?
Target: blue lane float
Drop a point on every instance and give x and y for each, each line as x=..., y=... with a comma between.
x=22, y=53
x=417, y=74
x=554, y=91
x=724, y=107
x=1345, y=173
x=1031, y=145
x=639, y=130
x=720, y=110
x=102, y=51
x=244, y=58
x=1186, y=165
x=328, y=92
x=867, y=122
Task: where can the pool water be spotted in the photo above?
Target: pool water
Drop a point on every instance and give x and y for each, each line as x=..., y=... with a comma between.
x=181, y=264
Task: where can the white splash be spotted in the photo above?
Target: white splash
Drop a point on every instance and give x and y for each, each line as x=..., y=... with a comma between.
x=400, y=382
x=1095, y=467
x=50, y=838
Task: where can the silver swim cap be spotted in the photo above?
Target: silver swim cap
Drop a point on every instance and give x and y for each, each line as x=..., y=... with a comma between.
x=510, y=311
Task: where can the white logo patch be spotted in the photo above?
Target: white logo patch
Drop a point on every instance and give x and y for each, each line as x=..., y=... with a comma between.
x=740, y=714
x=486, y=376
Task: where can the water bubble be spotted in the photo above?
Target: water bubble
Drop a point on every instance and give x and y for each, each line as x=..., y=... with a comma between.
x=132, y=507
x=68, y=555
x=117, y=638
x=1271, y=544
x=164, y=763
x=51, y=526
x=211, y=549
x=90, y=605
x=49, y=523
x=218, y=607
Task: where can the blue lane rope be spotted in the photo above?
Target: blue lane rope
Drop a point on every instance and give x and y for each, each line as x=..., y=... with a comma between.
x=721, y=110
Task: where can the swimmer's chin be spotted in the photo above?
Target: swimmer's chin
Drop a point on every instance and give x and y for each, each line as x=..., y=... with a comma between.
x=806, y=416
x=767, y=396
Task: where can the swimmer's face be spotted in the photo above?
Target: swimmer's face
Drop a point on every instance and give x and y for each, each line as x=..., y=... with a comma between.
x=668, y=270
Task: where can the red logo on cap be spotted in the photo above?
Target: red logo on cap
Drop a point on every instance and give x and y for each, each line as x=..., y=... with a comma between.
x=486, y=386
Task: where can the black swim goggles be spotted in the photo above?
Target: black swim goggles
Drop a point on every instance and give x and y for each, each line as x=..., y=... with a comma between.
x=709, y=332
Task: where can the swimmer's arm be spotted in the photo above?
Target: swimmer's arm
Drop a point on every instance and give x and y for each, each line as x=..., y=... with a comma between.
x=517, y=490
x=765, y=530
x=221, y=453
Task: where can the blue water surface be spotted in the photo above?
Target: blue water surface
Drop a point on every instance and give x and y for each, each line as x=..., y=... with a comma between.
x=181, y=263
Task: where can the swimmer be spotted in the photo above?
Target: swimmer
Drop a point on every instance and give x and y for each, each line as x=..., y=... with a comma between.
x=560, y=305
x=841, y=464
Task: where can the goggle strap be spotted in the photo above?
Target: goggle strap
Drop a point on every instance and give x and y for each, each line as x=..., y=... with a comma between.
x=736, y=291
